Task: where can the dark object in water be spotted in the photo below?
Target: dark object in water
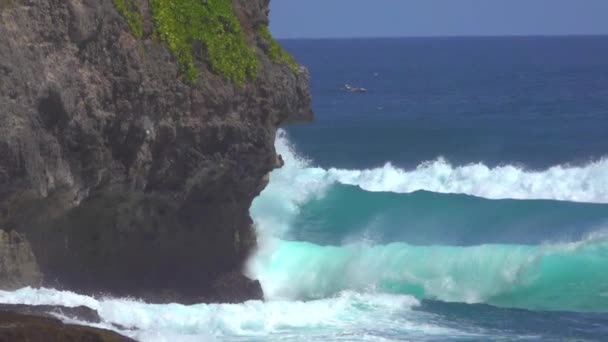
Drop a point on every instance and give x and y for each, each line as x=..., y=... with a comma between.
x=352, y=89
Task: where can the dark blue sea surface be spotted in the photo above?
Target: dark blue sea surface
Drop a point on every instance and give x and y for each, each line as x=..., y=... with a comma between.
x=536, y=101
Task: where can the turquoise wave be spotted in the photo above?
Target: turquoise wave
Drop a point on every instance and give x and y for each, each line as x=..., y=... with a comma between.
x=323, y=232
x=346, y=213
x=568, y=276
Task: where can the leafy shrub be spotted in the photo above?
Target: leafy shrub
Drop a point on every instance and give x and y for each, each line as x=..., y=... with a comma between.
x=131, y=12
x=277, y=53
x=212, y=22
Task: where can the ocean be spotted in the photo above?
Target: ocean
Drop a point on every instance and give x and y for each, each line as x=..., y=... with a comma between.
x=463, y=197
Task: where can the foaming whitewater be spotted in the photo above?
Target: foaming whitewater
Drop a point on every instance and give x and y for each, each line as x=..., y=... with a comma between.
x=588, y=183
x=342, y=317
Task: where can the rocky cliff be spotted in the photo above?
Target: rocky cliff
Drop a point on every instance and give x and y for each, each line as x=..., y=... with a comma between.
x=18, y=266
x=132, y=145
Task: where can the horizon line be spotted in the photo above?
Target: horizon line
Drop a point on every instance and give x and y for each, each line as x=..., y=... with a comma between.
x=452, y=36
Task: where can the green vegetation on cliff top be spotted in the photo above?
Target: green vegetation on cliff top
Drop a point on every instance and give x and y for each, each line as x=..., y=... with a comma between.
x=182, y=24
x=213, y=22
x=131, y=12
x=277, y=54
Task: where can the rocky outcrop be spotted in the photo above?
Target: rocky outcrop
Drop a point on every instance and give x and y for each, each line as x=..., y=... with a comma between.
x=23, y=327
x=80, y=313
x=124, y=176
x=18, y=267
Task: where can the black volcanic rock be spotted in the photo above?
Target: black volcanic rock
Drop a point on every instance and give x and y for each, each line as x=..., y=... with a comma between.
x=235, y=288
x=124, y=177
x=80, y=313
x=32, y=328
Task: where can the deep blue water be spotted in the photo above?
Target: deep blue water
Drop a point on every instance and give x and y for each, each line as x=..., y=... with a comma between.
x=537, y=101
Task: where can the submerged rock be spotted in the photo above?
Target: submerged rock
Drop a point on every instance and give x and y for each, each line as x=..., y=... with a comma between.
x=126, y=177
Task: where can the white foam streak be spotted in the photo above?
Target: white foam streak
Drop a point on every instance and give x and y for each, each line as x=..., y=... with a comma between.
x=588, y=183
x=254, y=320
x=30, y=296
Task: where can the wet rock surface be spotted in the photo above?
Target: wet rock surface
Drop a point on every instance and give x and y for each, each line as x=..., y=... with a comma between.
x=80, y=313
x=31, y=328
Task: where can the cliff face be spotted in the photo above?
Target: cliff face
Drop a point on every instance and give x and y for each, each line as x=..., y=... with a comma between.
x=126, y=176
x=18, y=267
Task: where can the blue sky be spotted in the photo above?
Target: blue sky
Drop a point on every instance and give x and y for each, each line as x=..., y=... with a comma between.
x=386, y=18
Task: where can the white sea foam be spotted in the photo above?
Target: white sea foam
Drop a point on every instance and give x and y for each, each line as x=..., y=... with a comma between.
x=347, y=314
x=588, y=183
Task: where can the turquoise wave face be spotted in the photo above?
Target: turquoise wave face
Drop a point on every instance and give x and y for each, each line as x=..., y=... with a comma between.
x=347, y=213
x=323, y=232
x=569, y=276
